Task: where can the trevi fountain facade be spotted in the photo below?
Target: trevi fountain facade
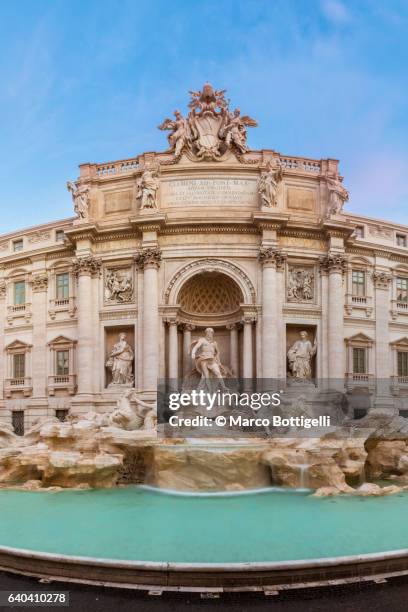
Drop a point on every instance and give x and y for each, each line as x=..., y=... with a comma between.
x=213, y=258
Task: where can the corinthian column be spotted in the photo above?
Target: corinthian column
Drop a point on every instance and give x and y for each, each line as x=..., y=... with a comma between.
x=335, y=264
x=270, y=259
x=187, y=329
x=39, y=355
x=248, y=367
x=173, y=349
x=149, y=259
x=2, y=325
x=234, y=357
x=85, y=268
x=382, y=282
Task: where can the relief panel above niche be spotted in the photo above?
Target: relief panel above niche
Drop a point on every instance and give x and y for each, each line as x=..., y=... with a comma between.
x=209, y=191
x=301, y=199
x=118, y=201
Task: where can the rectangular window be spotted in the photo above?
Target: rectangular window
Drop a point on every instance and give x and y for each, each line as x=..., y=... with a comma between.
x=62, y=286
x=19, y=365
x=59, y=235
x=62, y=368
x=359, y=361
x=17, y=245
x=17, y=421
x=358, y=278
x=19, y=293
x=402, y=289
x=401, y=240
x=402, y=363
x=359, y=231
x=61, y=414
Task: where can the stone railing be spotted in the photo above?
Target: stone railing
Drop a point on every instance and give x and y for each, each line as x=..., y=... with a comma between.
x=18, y=310
x=62, y=305
x=119, y=167
x=304, y=165
x=356, y=299
x=23, y=384
x=66, y=381
x=354, y=379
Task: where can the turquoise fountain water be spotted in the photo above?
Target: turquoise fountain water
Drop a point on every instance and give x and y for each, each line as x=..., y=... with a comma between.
x=140, y=524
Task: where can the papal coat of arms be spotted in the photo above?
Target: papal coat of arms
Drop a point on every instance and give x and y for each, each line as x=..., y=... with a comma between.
x=210, y=128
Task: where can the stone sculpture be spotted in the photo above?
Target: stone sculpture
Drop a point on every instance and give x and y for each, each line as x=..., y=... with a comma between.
x=300, y=285
x=206, y=356
x=120, y=363
x=147, y=190
x=338, y=195
x=210, y=128
x=300, y=357
x=268, y=185
x=118, y=286
x=80, y=197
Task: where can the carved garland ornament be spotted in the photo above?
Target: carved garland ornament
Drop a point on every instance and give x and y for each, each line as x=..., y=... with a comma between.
x=211, y=265
x=3, y=288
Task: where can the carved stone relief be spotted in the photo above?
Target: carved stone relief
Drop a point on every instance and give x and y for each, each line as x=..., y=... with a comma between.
x=118, y=285
x=300, y=284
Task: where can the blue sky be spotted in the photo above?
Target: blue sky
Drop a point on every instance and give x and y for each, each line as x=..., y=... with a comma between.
x=89, y=80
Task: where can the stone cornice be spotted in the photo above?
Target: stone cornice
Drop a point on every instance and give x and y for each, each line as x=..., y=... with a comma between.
x=82, y=231
x=207, y=228
x=149, y=223
x=269, y=220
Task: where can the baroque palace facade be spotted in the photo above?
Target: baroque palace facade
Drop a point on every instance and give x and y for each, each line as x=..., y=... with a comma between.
x=210, y=233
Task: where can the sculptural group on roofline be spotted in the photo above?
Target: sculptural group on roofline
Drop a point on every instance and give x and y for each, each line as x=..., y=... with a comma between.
x=210, y=129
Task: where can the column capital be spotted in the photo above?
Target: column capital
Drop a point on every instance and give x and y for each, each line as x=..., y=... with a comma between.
x=333, y=263
x=39, y=282
x=232, y=326
x=86, y=265
x=381, y=279
x=188, y=327
x=171, y=321
x=149, y=257
x=269, y=256
x=248, y=318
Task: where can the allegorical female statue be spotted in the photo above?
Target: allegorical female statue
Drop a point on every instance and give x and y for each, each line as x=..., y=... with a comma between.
x=120, y=362
x=300, y=357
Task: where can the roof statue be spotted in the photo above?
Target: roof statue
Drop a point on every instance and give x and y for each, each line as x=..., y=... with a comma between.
x=210, y=129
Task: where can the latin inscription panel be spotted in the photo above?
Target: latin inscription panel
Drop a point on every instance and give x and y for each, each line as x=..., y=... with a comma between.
x=209, y=192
